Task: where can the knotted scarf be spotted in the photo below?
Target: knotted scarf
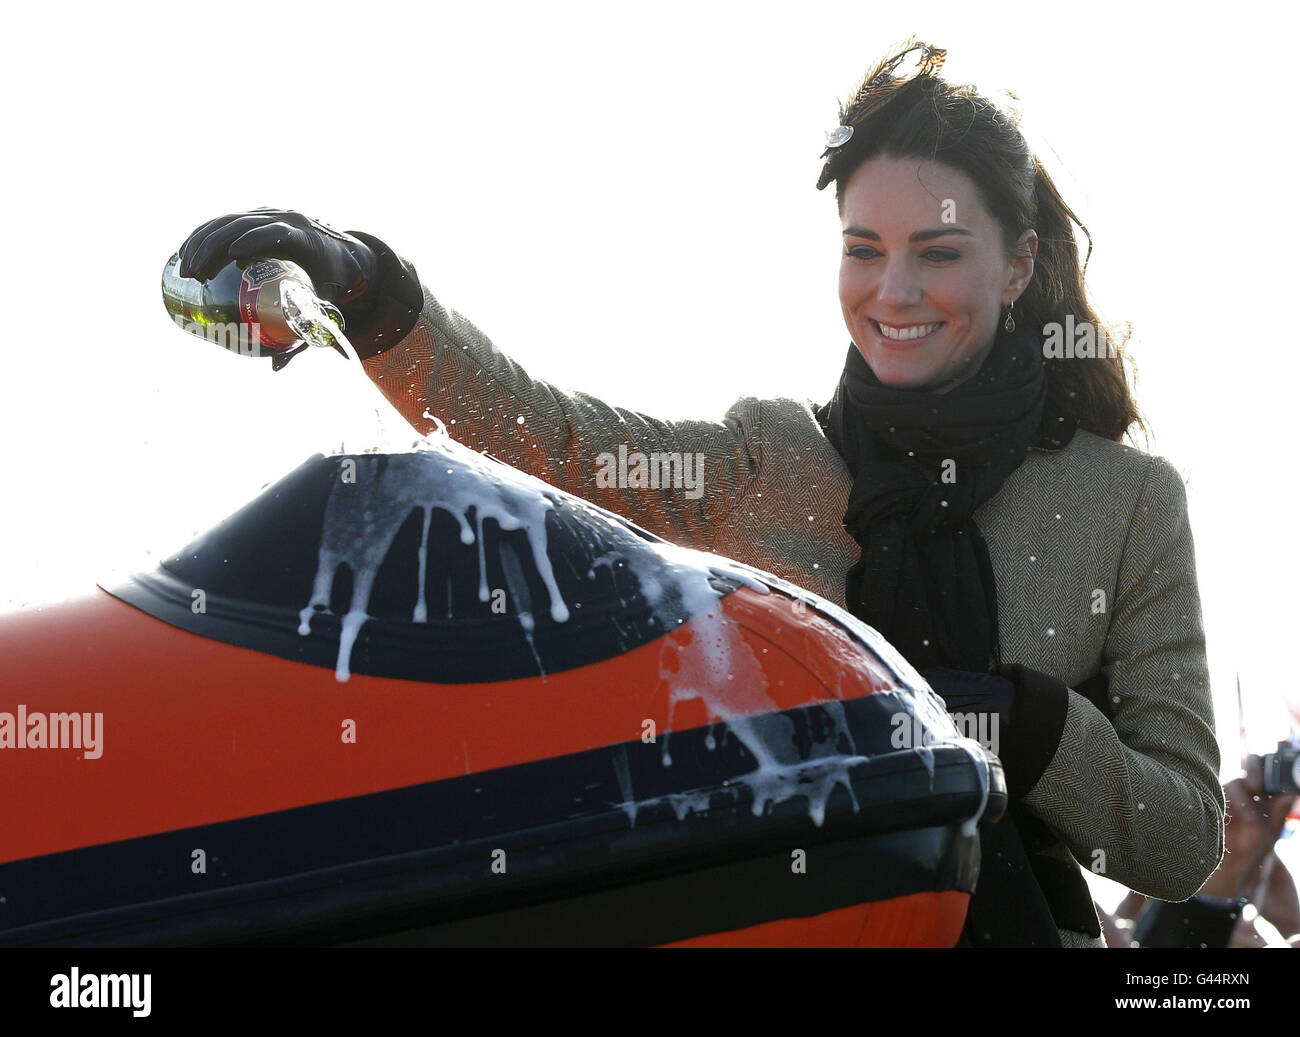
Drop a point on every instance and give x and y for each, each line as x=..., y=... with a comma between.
x=922, y=463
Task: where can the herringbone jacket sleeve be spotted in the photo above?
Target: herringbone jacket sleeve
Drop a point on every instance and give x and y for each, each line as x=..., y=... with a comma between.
x=448, y=368
x=1137, y=797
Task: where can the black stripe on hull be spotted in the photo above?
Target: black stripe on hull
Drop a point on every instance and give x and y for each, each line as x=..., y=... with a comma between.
x=418, y=860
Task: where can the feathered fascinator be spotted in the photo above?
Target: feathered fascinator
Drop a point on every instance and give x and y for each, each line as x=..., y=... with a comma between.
x=877, y=87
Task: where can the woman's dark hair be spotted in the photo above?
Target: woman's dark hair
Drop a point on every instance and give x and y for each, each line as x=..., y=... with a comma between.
x=923, y=116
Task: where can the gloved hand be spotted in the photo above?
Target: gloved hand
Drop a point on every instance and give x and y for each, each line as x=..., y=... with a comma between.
x=1030, y=707
x=377, y=292
x=340, y=266
x=966, y=692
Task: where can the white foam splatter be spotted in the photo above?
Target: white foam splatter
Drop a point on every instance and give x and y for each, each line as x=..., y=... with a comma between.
x=717, y=667
x=362, y=518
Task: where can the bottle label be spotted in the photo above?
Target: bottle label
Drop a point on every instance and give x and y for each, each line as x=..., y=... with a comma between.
x=263, y=271
x=259, y=302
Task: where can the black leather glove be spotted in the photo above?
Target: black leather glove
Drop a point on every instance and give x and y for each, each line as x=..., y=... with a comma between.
x=964, y=691
x=377, y=292
x=1030, y=707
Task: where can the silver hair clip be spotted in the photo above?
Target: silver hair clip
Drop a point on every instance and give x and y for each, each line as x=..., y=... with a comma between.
x=839, y=136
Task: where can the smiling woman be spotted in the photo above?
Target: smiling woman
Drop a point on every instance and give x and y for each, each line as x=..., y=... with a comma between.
x=962, y=494
x=963, y=434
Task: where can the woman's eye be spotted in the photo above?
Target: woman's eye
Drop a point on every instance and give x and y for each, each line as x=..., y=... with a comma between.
x=935, y=255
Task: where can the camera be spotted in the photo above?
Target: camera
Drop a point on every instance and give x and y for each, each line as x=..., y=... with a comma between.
x=1281, y=772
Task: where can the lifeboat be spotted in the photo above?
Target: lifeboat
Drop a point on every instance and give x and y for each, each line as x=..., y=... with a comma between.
x=426, y=699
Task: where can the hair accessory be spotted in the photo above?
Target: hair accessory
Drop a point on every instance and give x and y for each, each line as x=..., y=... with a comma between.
x=929, y=63
x=839, y=136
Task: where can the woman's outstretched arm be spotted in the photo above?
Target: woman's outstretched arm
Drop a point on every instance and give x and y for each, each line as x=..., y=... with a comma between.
x=677, y=479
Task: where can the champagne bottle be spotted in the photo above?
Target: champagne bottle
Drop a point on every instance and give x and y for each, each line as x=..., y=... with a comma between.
x=263, y=307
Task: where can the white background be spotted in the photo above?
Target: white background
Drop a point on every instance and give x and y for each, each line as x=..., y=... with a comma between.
x=623, y=197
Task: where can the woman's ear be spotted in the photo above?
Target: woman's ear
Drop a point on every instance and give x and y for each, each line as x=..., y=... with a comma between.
x=1022, y=262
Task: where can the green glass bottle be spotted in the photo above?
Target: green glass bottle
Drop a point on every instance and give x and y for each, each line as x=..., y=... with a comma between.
x=265, y=307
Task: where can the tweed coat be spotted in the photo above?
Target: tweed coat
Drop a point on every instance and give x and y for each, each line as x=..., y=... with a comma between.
x=1090, y=545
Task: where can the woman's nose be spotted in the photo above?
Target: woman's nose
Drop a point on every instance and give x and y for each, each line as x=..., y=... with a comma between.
x=898, y=285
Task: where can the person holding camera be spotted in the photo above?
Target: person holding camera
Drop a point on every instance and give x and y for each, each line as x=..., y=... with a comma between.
x=1258, y=805
x=964, y=490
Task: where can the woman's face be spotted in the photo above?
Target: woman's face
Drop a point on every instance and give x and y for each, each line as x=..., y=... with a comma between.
x=925, y=275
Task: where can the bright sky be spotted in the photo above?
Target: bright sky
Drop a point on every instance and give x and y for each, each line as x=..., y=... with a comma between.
x=623, y=198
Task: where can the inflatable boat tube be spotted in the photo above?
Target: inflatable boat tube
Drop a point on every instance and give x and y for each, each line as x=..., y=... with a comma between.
x=427, y=699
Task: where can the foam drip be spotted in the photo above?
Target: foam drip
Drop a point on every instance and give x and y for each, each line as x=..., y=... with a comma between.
x=717, y=666
x=363, y=518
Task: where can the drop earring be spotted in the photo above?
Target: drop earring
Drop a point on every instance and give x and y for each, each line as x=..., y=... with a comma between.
x=1009, y=324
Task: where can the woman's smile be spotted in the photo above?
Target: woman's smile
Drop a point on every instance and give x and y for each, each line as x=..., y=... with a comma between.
x=905, y=336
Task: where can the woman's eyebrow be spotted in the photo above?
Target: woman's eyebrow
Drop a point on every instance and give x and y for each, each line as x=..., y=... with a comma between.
x=920, y=235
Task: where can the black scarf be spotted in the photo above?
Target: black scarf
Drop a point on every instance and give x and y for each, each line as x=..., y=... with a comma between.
x=922, y=463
